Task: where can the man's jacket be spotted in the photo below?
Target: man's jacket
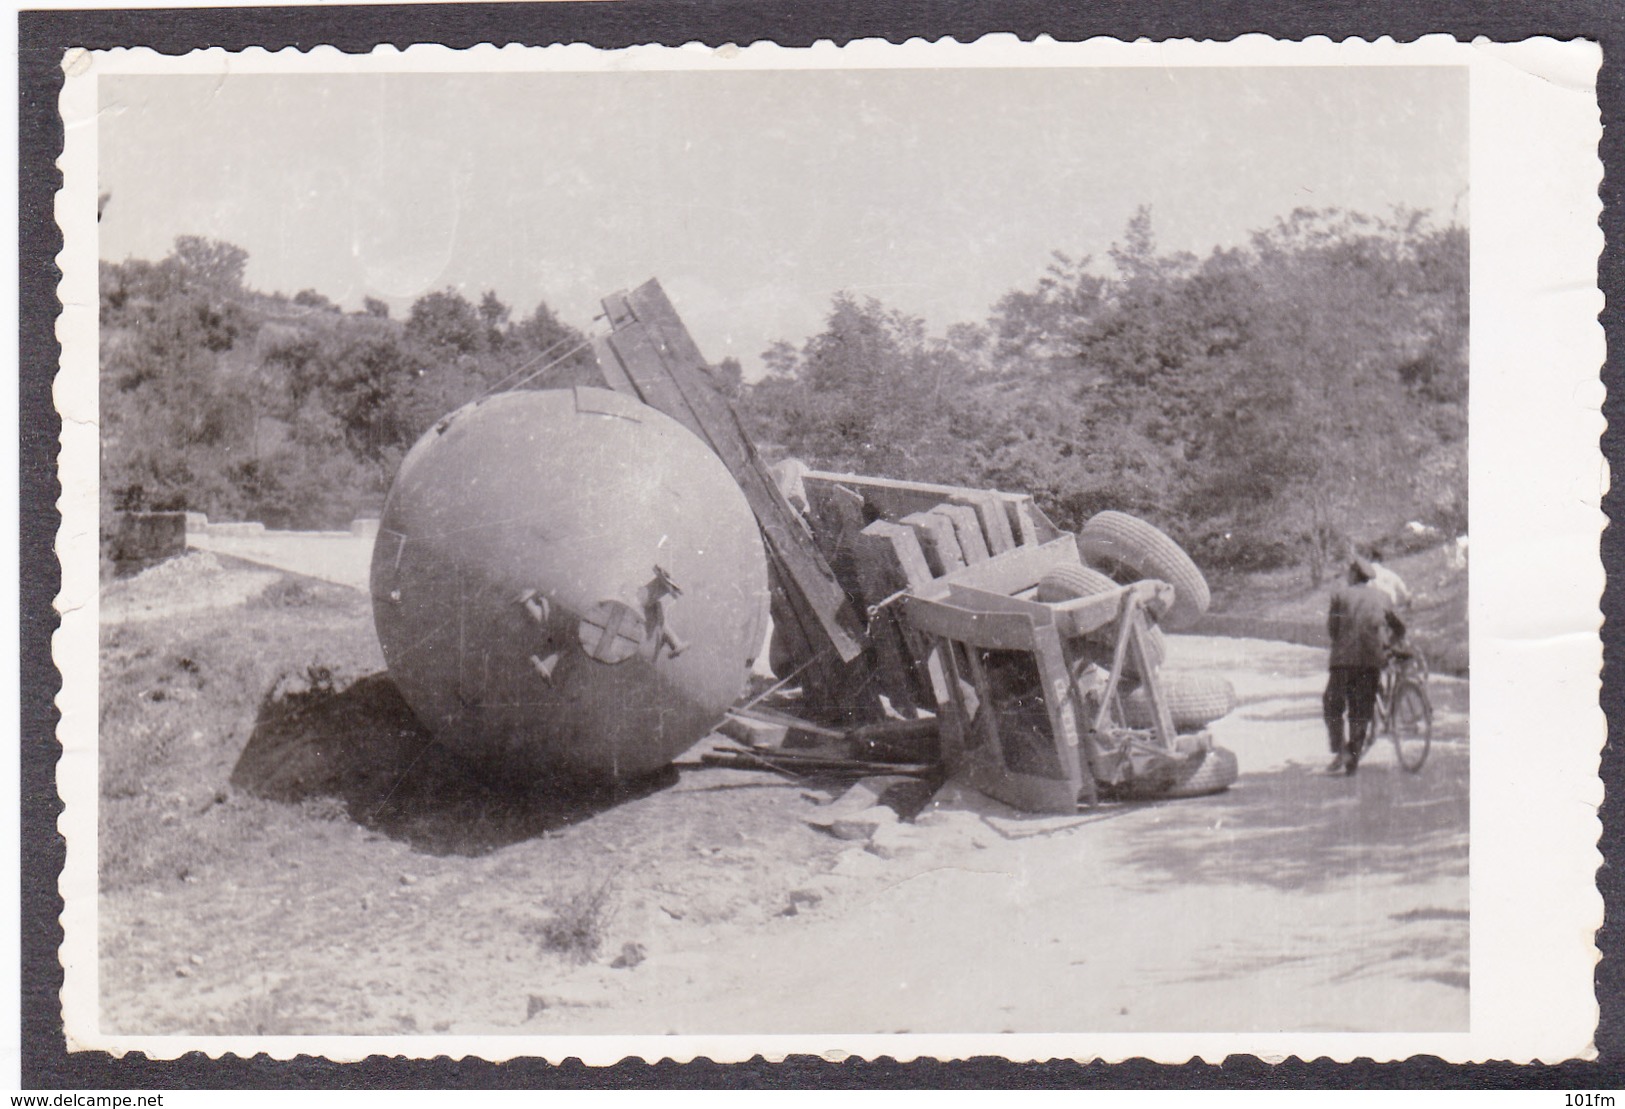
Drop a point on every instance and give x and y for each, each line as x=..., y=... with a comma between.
x=1359, y=622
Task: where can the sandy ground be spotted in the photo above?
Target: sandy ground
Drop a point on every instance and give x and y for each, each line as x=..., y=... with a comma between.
x=1294, y=901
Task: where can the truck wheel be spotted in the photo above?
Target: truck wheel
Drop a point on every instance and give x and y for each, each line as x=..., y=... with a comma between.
x=1130, y=549
x=1194, y=701
x=1069, y=581
x=1213, y=772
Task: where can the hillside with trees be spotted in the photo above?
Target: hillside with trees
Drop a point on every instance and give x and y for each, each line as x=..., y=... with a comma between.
x=1265, y=405
x=219, y=399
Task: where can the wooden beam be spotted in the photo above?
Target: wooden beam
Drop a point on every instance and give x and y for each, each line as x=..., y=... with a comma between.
x=967, y=529
x=1013, y=571
x=938, y=539
x=991, y=515
x=662, y=367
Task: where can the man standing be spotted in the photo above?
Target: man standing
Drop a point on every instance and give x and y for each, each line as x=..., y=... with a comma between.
x=1385, y=580
x=1361, y=624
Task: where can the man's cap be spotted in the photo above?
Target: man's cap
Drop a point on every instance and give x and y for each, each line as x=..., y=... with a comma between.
x=1363, y=568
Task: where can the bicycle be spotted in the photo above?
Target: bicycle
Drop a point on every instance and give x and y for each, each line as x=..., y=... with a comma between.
x=1404, y=711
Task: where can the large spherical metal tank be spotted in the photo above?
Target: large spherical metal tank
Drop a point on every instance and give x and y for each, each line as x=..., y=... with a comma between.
x=567, y=584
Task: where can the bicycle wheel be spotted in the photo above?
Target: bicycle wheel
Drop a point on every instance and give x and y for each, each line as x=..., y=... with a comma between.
x=1410, y=725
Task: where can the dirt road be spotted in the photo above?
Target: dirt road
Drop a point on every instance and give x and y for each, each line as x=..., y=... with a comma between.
x=1294, y=901
x=310, y=865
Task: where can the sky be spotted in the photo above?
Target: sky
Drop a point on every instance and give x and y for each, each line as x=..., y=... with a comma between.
x=753, y=196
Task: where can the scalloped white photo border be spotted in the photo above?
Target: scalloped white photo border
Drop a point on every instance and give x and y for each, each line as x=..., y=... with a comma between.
x=1537, y=478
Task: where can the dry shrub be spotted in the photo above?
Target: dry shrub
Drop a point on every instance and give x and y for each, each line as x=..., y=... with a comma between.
x=579, y=923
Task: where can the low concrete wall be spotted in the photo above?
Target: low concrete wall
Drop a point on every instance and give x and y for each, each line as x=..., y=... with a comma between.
x=364, y=527
x=236, y=529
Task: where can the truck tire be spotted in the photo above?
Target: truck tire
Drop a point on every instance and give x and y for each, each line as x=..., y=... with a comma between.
x=1070, y=581
x=1129, y=549
x=1211, y=772
x=1194, y=701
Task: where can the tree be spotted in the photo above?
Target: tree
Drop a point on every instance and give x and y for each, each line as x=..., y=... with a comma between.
x=358, y=374
x=374, y=307
x=1327, y=419
x=871, y=392
x=209, y=262
x=494, y=314
x=545, y=352
x=445, y=322
x=310, y=298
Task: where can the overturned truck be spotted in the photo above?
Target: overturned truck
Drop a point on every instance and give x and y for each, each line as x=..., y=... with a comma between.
x=573, y=584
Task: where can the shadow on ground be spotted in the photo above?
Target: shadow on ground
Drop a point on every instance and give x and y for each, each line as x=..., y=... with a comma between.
x=361, y=746
x=1301, y=829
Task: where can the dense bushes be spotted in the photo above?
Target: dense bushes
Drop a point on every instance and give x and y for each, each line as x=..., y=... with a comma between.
x=221, y=400
x=1264, y=405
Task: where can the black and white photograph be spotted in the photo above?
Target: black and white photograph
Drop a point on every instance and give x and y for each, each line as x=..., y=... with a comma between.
x=895, y=549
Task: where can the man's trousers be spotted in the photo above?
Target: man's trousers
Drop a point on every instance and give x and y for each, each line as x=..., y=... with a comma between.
x=1351, y=690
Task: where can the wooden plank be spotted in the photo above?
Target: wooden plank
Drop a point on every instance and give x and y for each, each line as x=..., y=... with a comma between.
x=610, y=367
x=1044, y=529
x=653, y=384
x=651, y=305
x=1013, y=571
x=1083, y=616
x=888, y=559
x=893, y=499
x=1023, y=524
x=938, y=540
x=1162, y=719
x=1056, y=678
x=990, y=514
x=968, y=597
x=901, y=547
x=665, y=370
x=919, y=494
x=967, y=529
x=994, y=631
